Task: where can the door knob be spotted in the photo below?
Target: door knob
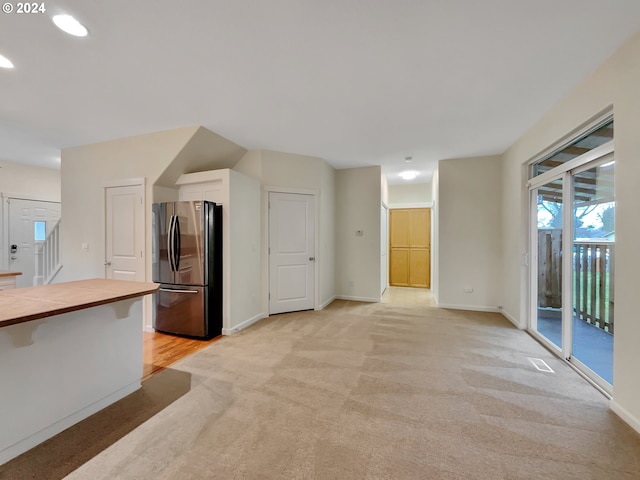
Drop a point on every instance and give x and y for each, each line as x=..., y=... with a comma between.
x=106, y=264
x=311, y=259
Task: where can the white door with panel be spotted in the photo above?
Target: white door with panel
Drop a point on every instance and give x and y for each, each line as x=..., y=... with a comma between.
x=291, y=252
x=124, y=227
x=29, y=223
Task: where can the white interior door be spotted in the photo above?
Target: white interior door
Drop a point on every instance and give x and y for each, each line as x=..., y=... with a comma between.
x=291, y=252
x=29, y=223
x=124, y=227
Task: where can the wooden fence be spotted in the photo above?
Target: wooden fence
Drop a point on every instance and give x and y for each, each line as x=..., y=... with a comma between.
x=593, y=278
x=550, y=268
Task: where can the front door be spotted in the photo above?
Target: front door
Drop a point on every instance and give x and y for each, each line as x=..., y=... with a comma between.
x=291, y=252
x=29, y=223
x=124, y=245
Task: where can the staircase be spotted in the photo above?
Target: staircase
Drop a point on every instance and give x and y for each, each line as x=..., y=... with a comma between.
x=48, y=257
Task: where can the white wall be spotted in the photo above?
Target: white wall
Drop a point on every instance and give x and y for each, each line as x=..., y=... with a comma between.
x=435, y=235
x=327, y=234
x=154, y=157
x=411, y=195
x=358, y=200
x=384, y=190
x=469, y=233
x=84, y=172
x=245, y=252
x=164, y=194
x=613, y=83
x=24, y=181
x=287, y=172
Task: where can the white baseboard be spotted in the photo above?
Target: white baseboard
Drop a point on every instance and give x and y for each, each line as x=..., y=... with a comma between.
x=243, y=325
x=473, y=308
x=148, y=328
x=357, y=299
x=509, y=317
x=326, y=304
x=624, y=414
x=61, y=425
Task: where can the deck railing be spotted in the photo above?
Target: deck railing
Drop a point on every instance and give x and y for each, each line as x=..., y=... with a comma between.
x=593, y=277
x=593, y=283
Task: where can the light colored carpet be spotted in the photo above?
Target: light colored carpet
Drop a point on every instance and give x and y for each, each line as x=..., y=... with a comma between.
x=376, y=391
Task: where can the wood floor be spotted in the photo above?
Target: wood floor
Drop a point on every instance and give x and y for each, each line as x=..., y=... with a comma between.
x=161, y=350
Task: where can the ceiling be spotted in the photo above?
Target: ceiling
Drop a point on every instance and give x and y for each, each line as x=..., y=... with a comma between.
x=356, y=82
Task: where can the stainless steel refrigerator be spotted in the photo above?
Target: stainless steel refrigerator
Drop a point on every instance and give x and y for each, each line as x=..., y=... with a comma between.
x=187, y=262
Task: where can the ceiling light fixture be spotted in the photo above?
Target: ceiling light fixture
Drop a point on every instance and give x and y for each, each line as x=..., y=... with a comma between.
x=70, y=25
x=409, y=175
x=408, y=159
x=5, y=62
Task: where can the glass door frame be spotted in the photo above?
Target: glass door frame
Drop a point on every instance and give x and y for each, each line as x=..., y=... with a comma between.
x=596, y=157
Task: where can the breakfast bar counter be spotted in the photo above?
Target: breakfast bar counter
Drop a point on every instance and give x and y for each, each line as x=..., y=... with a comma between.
x=67, y=350
x=8, y=279
x=8, y=273
x=33, y=303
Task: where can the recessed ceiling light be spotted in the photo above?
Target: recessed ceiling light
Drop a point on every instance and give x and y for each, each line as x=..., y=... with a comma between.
x=409, y=174
x=68, y=24
x=5, y=62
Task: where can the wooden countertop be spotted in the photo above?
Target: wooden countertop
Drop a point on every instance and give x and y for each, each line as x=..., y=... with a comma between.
x=32, y=303
x=7, y=273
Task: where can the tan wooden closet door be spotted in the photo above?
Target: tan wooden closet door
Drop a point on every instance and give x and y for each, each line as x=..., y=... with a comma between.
x=410, y=247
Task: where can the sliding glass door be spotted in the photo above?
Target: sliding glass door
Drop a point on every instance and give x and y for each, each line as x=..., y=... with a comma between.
x=548, y=203
x=573, y=251
x=592, y=269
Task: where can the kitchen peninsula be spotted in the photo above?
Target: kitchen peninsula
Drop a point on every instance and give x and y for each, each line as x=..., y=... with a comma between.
x=67, y=350
x=8, y=279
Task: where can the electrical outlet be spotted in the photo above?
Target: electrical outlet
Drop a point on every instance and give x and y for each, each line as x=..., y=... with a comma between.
x=468, y=289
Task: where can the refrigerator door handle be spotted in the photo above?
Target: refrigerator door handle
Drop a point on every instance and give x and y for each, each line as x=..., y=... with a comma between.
x=176, y=252
x=170, y=243
x=175, y=290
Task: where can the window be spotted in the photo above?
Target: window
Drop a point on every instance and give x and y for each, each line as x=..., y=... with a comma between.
x=591, y=139
x=39, y=231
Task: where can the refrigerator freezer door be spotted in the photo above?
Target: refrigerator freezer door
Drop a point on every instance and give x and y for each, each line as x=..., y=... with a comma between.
x=162, y=220
x=191, y=250
x=181, y=310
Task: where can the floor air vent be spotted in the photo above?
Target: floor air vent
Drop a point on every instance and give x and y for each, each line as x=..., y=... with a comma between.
x=540, y=365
